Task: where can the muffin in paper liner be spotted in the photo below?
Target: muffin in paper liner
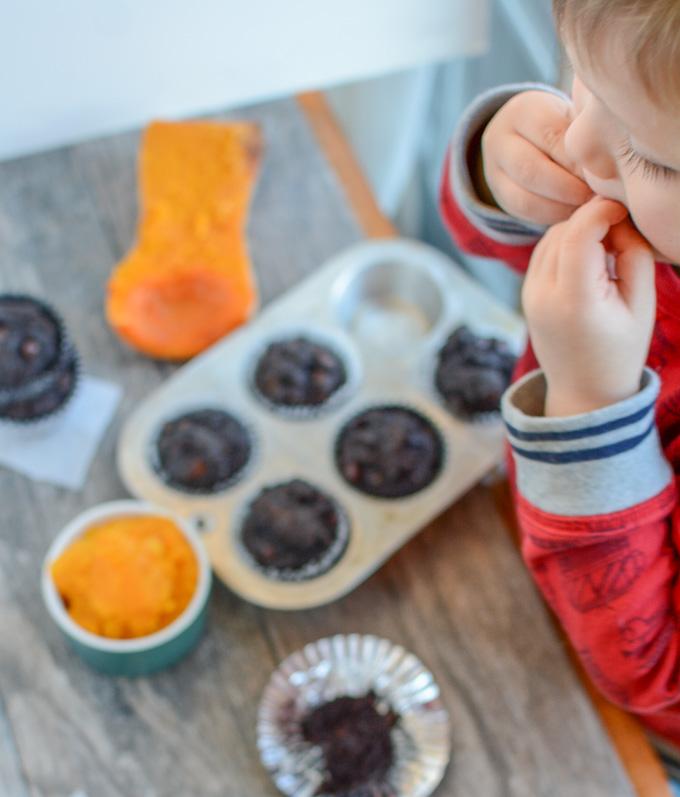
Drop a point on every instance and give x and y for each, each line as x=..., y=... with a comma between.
x=48, y=391
x=389, y=490
x=311, y=569
x=37, y=407
x=192, y=412
x=334, y=345
x=480, y=415
x=353, y=665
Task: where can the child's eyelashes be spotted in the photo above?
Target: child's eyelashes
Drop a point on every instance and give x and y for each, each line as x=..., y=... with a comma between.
x=650, y=169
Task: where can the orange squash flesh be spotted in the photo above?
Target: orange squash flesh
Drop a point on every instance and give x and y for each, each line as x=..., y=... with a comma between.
x=127, y=577
x=188, y=280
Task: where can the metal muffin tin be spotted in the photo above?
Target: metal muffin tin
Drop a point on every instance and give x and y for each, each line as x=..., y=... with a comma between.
x=387, y=306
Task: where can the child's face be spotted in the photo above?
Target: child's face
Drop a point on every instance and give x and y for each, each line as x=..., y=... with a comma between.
x=626, y=146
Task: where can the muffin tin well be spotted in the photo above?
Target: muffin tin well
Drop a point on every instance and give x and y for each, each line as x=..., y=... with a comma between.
x=385, y=307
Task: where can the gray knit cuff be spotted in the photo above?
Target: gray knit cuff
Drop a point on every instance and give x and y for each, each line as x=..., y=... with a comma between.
x=590, y=464
x=493, y=222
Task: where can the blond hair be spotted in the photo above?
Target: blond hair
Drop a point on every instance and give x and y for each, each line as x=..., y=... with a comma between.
x=652, y=35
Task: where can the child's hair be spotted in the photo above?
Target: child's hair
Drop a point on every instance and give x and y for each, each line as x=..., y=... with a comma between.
x=652, y=37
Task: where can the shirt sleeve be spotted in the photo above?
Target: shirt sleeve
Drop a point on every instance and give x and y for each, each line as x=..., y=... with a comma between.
x=476, y=227
x=597, y=505
x=595, y=463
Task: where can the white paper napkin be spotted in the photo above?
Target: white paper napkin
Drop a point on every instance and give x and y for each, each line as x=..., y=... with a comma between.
x=60, y=450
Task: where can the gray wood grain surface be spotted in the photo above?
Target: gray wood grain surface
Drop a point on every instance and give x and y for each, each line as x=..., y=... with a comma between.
x=457, y=595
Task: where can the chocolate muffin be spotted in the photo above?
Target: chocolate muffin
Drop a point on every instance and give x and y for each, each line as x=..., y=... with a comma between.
x=299, y=373
x=202, y=451
x=38, y=365
x=294, y=529
x=48, y=398
x=356, y=741
x=473, y=372
x=30, y=340
x=389, y=452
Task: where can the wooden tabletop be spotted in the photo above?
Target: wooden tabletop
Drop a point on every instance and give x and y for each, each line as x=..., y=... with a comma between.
x=458, y=595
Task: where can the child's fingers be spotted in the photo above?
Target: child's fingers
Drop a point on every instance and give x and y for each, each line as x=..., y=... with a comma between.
x=544, y=258
x=582, y=254
x=523, y=204
x=634, y=266
x=533, y=170
x=591, y=222
x=623, y=236
x=549, y=135
x=541, y=275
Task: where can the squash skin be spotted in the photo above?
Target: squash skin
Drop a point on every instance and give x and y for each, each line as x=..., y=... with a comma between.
x=188, y=280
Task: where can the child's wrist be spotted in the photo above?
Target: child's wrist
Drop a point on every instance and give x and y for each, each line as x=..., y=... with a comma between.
x=562, y=403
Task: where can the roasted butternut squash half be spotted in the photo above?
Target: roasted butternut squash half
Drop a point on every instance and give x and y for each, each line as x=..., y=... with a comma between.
x=188, y=280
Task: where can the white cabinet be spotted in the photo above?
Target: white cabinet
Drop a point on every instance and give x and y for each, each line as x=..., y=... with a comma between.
x=77, y=68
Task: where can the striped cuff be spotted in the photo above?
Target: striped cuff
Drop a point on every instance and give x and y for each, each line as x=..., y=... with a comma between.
x=493, y=222
x=590, y=464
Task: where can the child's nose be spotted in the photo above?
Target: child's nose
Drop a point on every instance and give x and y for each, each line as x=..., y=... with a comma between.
x=587, y=144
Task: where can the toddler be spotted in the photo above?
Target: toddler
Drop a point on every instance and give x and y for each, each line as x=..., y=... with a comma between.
x=593, y=417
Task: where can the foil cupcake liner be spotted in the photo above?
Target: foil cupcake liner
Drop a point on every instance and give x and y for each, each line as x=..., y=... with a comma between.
x=312, y=569
x=219, y=488
x=387, y=405
x=353, y=665
x=329, y=340
x=69, y=361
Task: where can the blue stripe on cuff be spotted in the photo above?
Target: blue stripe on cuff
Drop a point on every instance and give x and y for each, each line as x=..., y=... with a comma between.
x=577, y=434
x=509, y=225
x=587, y=454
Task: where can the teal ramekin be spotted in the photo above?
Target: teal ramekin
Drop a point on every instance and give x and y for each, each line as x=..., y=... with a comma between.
x=143, y=655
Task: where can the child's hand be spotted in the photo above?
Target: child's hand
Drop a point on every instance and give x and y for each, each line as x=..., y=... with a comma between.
x=525, y=165
x=590, y=333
